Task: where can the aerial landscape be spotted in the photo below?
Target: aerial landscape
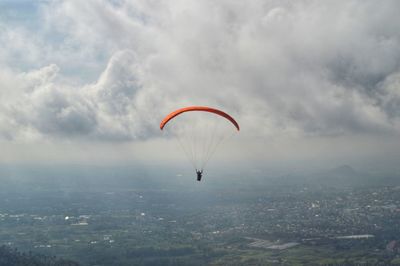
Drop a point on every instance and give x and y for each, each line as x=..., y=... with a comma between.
x=199, y=132
x=133, y=221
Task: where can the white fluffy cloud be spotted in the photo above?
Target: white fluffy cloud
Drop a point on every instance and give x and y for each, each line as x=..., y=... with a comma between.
x=304, y=68
x=111, y=108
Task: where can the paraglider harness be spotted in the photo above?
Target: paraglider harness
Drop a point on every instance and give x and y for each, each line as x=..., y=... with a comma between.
x=199, y=174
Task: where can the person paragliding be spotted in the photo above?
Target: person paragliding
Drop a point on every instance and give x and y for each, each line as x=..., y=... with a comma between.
x=199, y=174
x=200, y=132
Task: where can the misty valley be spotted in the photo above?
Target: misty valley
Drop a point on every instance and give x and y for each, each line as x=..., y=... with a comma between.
x=126, y=220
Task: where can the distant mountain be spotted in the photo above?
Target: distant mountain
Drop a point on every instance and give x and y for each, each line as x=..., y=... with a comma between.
x=341, y=176
x=346, y=176
x=343, y=170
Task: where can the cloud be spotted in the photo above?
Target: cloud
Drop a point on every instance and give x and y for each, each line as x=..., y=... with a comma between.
x=304, y=68
x=110, y=108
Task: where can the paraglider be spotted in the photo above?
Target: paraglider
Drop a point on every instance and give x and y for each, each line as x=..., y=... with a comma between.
x=199, y=131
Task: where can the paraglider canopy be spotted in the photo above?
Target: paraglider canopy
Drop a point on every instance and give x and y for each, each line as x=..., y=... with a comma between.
x=198, y=108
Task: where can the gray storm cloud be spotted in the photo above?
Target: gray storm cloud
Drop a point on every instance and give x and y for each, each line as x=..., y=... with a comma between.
x=304, y=68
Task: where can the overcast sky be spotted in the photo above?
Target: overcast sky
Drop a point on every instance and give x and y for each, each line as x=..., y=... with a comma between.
x=309, y=81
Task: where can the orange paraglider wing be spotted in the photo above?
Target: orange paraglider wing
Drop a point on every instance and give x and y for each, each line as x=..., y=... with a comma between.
x=198, y=108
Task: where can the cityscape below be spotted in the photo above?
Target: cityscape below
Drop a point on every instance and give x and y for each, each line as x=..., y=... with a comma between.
x=268, y=221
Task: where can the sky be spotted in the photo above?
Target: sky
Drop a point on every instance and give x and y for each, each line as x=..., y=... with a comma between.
x=310, y=82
